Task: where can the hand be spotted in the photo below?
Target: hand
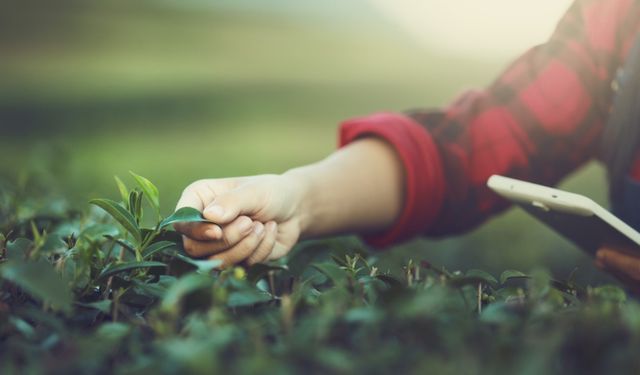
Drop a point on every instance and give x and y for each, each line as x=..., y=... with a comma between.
x=622, y=263
x=256, y=218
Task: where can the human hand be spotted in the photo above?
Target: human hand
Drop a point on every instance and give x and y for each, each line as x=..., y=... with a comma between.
x=255, y=218
x=624, y=264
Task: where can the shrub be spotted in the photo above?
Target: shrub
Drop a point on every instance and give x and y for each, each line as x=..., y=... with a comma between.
x=100, y=292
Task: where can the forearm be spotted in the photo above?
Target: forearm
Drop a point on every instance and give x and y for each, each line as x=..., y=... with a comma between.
x=359, y=188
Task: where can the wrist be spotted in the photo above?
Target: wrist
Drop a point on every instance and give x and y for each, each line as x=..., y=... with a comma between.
x=300, y=181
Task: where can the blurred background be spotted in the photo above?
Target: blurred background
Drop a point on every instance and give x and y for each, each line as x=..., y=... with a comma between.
x=182, y=90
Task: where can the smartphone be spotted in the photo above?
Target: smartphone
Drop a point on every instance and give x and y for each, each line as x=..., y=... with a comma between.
x=576, y=217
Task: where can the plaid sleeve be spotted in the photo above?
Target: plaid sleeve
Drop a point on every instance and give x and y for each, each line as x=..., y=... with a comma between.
x=540, y=120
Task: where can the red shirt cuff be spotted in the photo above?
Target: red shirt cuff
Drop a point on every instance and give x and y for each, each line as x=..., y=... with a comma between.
x=424, y=180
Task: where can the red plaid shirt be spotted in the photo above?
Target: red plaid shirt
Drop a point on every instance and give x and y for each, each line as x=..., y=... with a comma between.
x=540, y=120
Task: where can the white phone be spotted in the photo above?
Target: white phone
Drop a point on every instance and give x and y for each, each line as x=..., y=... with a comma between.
x=578, y=218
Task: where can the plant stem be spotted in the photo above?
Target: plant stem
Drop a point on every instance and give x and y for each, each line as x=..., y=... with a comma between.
x=479, y=298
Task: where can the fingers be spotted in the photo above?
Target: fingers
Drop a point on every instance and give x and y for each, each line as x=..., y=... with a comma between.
x=242, y=249
x=199, y=231
x=231, y=235
x=278, y=252
x=242, y=201
x=196, y=195
x=265, y=247
x=619, y=262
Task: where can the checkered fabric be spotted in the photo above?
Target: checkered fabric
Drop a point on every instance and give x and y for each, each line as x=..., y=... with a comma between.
x=542, y=118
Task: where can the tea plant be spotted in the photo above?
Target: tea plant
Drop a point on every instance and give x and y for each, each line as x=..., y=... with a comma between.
x=103, y=292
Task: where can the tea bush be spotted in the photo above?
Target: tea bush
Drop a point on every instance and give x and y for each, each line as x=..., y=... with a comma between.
x=103, y=292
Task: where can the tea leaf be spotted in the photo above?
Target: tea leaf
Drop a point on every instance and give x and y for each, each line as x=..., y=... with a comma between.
x=247, y=298
x=497, y=313
x=610, y=293
x=19, y=248
x=23, y=327
x=389, y=280
x=260, y=270
x=508, y=274
x=149, y=189
x=126, y=245
x=183, y=286
x=135, y=204
x=98, y=231
x=121, y=215
x=40, y=281
x=122, y=188
x=184, y=215
x=128, y=266
x=113, y=331
x=53, y=243
x=203, y=266
x=103, y=306
x=332, y=271
x=156, y=247
x=484, y=276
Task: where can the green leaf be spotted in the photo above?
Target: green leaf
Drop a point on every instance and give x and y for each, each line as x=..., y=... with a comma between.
x=482, y=275
x=135, y=204
x=260, y=270
x=122, y=188
x=40, y=280
x=340, y=261
x=126, y=245
x=203, y=266
x=363, y=315
x=121, y=215
x=498, y=313
x=113, y=331
x=18, y=249
x=23, y=327
x=247, y=298
x=103, y=306
x=389, y=280
x=336, y=274
x=610, y=293
x=156, y=247
x=96, y=232
x=182, y=287
x=157, y=289
x=508, y=274
x=128, y=266
x=53, y=243
x=460, y=281
x=184, y=215
x=138, y=212
x=149, y=189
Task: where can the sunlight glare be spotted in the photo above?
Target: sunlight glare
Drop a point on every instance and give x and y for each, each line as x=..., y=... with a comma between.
x=490, y=28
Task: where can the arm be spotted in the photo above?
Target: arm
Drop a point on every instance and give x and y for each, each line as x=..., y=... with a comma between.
x=356, y=189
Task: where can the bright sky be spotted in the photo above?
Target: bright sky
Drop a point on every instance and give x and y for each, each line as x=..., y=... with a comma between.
x=497, y=28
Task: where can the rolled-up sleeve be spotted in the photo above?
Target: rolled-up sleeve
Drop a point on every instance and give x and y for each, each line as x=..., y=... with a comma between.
x=424, y=182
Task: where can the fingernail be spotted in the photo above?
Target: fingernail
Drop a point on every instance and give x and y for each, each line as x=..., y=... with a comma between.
x=272, y=226
x=600, y=255
x=245, y=226
x=258, y=228
x=211, y=233
x=215, y=211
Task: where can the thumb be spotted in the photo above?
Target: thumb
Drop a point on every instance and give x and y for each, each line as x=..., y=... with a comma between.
x=228, y=206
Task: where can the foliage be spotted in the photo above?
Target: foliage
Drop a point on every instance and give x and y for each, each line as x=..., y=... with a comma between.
x=103, y=293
